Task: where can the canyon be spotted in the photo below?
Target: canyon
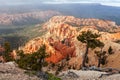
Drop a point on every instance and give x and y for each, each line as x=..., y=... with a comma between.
x=61, y=40
x=26, y=28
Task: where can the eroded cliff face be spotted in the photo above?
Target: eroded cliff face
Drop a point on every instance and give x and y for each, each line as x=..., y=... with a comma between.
x=60, y=40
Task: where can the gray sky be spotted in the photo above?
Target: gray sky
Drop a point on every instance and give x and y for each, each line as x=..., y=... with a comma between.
x=105, y=2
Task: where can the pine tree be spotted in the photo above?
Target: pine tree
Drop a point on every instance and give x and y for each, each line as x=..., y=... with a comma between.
x=91, y=42
x=101, y=57
x=7, y=53
x=110, y=50
x=34, y=61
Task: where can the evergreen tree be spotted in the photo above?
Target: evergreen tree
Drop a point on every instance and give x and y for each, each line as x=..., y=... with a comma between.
x=91, y=42
x=7, y=53
x=34, y=61
x=110, y=50
x=101, y=57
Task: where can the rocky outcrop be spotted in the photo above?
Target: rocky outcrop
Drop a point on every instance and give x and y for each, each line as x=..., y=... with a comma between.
x=87, y=75
x=10, y=71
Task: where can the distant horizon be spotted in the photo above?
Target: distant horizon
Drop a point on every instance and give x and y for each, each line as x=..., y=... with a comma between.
x=115, y=3
x=19, y=4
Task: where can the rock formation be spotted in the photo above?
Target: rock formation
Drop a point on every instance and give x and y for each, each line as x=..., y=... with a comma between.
x=60, y=40
x=81, y=22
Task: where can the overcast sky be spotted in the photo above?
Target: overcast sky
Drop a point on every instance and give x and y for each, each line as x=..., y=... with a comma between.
x=105, y=2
